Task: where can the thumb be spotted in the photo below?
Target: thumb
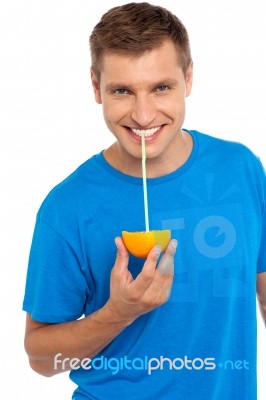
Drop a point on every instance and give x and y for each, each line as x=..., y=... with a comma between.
x=122, y=256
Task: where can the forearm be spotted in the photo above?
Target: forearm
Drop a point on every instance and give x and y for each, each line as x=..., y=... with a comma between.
x=52, y=347
x=128, y=300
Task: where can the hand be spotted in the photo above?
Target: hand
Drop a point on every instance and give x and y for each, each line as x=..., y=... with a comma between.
x=131, y=298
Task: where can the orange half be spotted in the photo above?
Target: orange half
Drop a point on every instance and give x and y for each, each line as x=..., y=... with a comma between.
x=140, y=243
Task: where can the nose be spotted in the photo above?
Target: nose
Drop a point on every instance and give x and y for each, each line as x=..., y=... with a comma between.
x=143, y=110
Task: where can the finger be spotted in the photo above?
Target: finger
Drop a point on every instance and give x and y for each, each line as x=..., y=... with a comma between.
x=160, y=287
x=121, y=248
x=145, y=277
x=166, y=264
x=167, y=293
x=165, y=270
x=122, y=256
x=159, y=290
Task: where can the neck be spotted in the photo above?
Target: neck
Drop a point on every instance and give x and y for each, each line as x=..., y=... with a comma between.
x=162, y=165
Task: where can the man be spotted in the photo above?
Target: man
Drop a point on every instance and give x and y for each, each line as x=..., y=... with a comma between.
x=147, y=333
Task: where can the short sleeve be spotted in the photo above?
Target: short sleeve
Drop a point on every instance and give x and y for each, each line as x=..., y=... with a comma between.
x=56, y=287
x=262, y=253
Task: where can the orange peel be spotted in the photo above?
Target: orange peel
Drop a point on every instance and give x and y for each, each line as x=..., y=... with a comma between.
x=139, y=244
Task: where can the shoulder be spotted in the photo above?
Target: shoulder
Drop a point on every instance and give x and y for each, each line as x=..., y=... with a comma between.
x=231, y=159
x=218, y=142
x=64, y=199
x=229, y=150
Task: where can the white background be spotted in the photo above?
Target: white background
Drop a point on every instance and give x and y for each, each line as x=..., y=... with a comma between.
x=49, y=124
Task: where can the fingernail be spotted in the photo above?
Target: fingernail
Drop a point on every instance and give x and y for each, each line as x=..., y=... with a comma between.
x=158, y=250
x=174, y=243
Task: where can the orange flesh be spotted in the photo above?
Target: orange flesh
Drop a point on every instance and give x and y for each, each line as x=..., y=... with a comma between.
x=140, y=243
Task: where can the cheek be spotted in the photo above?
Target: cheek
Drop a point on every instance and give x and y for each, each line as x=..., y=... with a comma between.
x=171, y=104
x=108, y=112
x=173, y=111
x=114, y=111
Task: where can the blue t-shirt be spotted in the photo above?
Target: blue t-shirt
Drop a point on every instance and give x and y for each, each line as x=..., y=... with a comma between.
x=201, y=344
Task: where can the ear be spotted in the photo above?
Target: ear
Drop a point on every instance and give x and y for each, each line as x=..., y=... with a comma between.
x=189, y=79
x=96, y=87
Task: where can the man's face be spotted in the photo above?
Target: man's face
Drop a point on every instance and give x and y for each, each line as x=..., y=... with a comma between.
x=144, y=94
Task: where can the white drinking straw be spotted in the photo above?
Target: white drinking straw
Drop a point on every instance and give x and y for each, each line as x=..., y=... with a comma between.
x=144, y=182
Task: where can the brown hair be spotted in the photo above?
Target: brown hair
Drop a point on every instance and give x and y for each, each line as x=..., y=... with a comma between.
x=135, y=28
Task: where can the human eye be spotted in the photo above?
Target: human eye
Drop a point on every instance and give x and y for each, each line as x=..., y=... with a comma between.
x=121, y=91
x=162, y=88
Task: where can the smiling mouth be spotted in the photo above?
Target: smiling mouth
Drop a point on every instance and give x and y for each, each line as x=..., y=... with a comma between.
x=146, y=132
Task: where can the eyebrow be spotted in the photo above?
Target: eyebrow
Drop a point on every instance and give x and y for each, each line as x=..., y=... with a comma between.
x=122, y=85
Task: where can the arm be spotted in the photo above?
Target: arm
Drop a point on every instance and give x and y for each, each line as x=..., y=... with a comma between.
x=86, y=337
x=261, y=294
x=50, y=347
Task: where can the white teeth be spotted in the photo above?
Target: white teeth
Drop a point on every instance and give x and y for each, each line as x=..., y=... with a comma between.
x=146, y=132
